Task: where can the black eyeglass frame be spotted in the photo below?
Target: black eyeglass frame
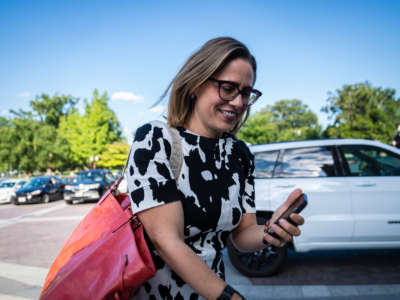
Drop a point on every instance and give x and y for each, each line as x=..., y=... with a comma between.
x=239, y=91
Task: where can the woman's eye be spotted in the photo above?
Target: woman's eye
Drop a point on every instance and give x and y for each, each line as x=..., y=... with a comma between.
x=228, y=89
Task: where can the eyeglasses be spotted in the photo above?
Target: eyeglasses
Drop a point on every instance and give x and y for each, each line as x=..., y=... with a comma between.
x=229, y=90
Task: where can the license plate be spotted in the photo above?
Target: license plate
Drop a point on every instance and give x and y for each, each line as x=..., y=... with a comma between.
x=21, y=199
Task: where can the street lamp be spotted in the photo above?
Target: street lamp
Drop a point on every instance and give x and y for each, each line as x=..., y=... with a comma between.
x=93, y=160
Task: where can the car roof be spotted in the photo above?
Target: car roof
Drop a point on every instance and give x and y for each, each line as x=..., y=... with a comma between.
x=320, y=142
x=91, y=171
x=13, y=180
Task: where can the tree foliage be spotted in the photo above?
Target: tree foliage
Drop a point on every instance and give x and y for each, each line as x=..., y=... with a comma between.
x=89, y=135
x=363, y=111
x=51, y=109
x=114, y=156
x=286, y=120
x=54, y=135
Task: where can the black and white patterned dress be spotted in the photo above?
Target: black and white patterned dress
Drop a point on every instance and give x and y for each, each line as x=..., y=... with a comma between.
x=216, y=186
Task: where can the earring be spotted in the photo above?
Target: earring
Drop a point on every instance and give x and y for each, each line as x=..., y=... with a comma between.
x=192, y=96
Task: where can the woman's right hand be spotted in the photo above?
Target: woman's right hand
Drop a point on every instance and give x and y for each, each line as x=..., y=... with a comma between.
x=285, y=230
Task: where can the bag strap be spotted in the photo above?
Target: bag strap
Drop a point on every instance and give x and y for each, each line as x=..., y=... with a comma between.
x=176, y=158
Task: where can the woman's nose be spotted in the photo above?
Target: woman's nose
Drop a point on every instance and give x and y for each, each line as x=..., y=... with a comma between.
x=238, y=101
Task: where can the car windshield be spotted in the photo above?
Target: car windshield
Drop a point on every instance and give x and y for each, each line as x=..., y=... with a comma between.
x=7, y=184
x=88, y=177
x=36, y=182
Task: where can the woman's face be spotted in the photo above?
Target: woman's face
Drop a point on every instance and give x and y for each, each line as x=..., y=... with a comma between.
x=213, y=116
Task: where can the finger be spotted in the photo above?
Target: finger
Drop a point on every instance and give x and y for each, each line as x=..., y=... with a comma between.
x=289, y=228
x=291, y=198
x=272, y=241
x=296, y=219
x=282, y=234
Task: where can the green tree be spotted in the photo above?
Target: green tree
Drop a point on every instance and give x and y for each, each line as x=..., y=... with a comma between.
x=114, y=156
x=286, y=120
x=89, y=135
x=6, y=144
x=23, y=134
x=363, y=111
x=51, y=109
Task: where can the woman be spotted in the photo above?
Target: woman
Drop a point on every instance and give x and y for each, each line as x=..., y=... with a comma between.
x=189, y=220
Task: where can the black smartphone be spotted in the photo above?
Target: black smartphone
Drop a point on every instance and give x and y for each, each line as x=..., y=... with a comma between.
x=296, y=207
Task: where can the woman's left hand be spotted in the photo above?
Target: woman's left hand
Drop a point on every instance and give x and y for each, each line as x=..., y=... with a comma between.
x=285, y=230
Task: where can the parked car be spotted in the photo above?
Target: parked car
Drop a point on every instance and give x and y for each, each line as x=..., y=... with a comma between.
x=40, y=189
x=3, y=179
x=87, y=186
x=353, y=189
x=123, y=185
x=8, y=188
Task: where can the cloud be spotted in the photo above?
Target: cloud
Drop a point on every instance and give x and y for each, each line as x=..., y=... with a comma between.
x=126, y=96
x=157, y=109
x=24, y=94
x=4, y=112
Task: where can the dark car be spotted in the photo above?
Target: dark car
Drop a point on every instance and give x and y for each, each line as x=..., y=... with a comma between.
x=40, y=189
x=87, y=186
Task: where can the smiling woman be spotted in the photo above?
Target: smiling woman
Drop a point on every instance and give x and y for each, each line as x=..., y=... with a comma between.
x=188, y=218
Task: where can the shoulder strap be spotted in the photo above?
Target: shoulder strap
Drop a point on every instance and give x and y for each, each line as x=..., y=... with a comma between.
x=176, y=159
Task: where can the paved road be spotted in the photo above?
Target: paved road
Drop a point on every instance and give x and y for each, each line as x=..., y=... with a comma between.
x=32, y=235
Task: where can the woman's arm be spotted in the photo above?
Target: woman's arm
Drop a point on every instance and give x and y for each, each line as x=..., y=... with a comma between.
x=248, y=236
x=164, y=225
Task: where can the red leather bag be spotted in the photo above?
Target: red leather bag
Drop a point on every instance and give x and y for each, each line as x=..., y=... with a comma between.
x=106, y=257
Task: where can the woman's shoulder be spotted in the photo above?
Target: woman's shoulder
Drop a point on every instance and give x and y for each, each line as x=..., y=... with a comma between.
x=153, y=129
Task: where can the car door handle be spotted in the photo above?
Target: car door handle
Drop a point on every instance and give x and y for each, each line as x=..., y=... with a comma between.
x=286, y=186
x=366, y=184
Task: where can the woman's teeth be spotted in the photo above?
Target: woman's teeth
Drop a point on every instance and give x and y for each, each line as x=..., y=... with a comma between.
x=229, y=113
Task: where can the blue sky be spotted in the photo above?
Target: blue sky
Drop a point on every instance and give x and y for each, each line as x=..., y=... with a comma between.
x=132, y=49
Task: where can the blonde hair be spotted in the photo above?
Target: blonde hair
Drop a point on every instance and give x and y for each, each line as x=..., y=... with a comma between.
x=210, y=59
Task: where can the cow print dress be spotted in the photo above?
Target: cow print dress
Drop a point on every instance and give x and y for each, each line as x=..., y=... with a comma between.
x=215, y=186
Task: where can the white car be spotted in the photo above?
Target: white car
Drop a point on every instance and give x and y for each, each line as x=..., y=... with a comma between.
x=8, y=187
x=353, y=189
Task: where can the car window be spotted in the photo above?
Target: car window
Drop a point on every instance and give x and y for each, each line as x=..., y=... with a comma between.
x=264, y=163
x=88, y=177
x=371, y=161
x=37, y=182
x=307, y=162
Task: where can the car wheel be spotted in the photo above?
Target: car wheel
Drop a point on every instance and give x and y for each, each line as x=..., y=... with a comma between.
x=69, y=202
x=45, y=198
x=266, y=262
x=15, y=201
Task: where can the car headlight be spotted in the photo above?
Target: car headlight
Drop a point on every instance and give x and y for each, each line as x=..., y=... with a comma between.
x=37, y=192
x=13, y=194
x=93, y=186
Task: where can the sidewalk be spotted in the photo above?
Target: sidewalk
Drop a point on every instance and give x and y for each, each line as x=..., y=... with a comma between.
x=18, y=282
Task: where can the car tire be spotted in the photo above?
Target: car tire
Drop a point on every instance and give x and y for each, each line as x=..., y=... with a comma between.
x=263, y=263
x=69, y=202
x=45, y=198
x=15, y=202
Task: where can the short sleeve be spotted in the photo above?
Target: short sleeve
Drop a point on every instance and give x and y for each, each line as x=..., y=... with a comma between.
x=248, y=197
x=150, y=179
